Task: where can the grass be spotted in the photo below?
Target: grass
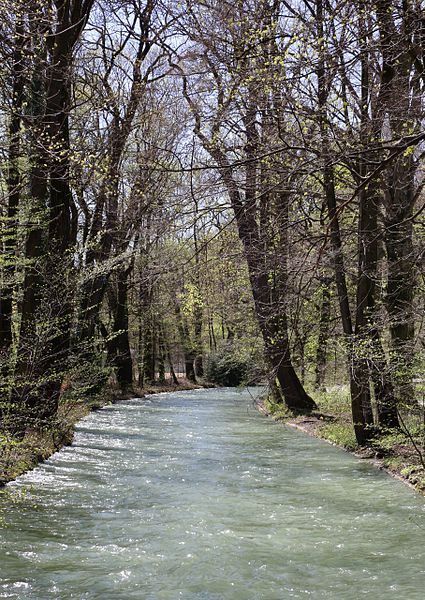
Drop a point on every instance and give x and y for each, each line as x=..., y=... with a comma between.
x=401, y=453
x=334, y=408
x=341, y=434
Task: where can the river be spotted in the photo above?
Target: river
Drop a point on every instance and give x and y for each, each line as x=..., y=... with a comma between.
x=195, y=495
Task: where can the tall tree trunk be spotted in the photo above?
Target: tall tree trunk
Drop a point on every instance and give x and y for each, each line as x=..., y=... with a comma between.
x=187, y=344
x=359, y=384
x=14, y=182
x=401, y=105
x=322, y=341
x=148, y=334
x=401, y=277
x=271, y=316
x=42, y=351
x=161, y=353
x=170, y=363
x=120, y=352
x=370, y=200
x=269, y=303
x=31, y=364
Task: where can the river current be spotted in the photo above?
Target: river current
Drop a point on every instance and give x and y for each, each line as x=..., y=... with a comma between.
x=195, y=495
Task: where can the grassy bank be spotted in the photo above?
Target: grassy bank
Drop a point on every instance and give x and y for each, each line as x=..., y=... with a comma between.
x=400, y=453
x=19, y=456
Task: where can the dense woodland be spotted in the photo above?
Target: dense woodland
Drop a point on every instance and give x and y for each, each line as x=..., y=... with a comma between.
x=229, y=190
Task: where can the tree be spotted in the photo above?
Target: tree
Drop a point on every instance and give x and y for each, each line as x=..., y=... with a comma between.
x=252, y=195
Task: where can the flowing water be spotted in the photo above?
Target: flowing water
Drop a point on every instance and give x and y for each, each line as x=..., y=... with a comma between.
x=195, y=495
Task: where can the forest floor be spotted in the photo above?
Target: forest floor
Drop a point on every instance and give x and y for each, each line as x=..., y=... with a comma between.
x=19, y=456
x=399, y=453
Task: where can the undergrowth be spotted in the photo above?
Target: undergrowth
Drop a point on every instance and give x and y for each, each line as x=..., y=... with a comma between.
x=277, y=410
x=401, y=452
x=339, y=433
x=334, y=408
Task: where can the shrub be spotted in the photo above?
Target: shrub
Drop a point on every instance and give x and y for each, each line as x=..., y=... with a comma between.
x=227, y=367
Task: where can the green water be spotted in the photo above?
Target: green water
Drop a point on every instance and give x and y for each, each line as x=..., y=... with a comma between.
x=195, y=495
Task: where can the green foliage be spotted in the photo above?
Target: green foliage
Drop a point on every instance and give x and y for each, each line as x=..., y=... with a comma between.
x=86, y=379
x=228, y=367
x=191, y=299
x=340, y=433
x=336, y=401
x=414, y=475
x=277, y=410
x=391, y=439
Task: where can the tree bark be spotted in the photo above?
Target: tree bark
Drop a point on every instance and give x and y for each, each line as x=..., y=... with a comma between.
x=188, y=346
x=120, y=352
x=14, y=182
x=148, y=335
x=322, y=341
x=359, y=386
x=400, y=102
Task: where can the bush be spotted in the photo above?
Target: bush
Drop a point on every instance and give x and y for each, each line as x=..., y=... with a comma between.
x=228, y=368
x=85, y=380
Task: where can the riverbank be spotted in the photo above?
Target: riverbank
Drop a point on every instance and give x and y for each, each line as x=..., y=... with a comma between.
x=398, y=454
x=19, y=456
